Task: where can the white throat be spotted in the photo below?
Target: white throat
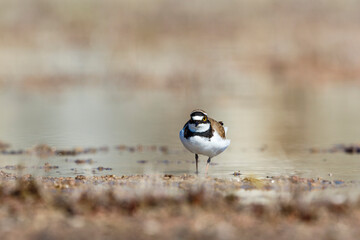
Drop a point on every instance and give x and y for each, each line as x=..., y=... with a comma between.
x=202, y=127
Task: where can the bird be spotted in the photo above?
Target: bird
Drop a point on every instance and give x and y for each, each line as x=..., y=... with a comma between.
x=202, y=135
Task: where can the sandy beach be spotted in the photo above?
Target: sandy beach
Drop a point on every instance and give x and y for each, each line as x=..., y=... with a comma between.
x=177, y=207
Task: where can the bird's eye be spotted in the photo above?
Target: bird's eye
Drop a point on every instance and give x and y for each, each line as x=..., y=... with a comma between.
x=204, y=119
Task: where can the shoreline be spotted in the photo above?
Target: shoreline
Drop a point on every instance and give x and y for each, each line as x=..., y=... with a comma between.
x=183, y=206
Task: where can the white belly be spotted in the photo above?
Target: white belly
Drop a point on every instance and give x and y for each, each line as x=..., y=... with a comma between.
x=203, y=146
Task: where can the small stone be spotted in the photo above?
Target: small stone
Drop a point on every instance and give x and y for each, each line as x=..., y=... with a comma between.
x=4, y=145
x=164, y=149
x=142, y=161
x=80, y=177
x=121, y=147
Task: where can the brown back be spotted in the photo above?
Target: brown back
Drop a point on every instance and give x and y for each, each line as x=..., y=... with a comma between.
x=217, y=127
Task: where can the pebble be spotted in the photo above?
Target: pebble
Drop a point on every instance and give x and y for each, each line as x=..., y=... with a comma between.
x=164, y=149
x=80, y=177
x=337, y=182
x=103, y=168
x=83, y=161
x=237, y=173
x=4, y=145
x=142, y=161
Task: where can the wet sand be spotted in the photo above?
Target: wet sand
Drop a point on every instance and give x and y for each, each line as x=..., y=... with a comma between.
x=177, y=207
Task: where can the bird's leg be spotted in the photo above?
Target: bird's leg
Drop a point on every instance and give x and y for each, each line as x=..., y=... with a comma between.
x=196, y=161
x=207, y=165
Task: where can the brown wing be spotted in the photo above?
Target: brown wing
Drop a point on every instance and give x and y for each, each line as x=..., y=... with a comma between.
x=217, y=127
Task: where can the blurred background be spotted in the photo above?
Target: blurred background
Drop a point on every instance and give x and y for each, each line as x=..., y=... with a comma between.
x=282, y=75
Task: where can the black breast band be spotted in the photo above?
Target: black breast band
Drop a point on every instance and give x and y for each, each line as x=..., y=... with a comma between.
x=188, y=133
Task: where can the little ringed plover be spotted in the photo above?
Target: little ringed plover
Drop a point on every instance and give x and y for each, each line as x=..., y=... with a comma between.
x=204, y=135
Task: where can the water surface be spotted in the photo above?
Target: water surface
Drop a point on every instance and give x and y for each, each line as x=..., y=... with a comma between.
x=271, y=133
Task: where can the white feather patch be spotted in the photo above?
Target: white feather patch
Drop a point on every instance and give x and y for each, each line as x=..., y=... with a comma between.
x=202, y=145
x=197, y=117
x=202, y=127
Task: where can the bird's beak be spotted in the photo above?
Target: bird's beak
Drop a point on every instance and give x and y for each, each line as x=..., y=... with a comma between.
x=196, y=124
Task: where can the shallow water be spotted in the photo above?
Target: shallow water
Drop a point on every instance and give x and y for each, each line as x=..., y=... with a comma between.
x=271, y=132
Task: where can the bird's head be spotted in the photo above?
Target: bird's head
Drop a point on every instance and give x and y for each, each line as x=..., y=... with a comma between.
x=199, y=121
